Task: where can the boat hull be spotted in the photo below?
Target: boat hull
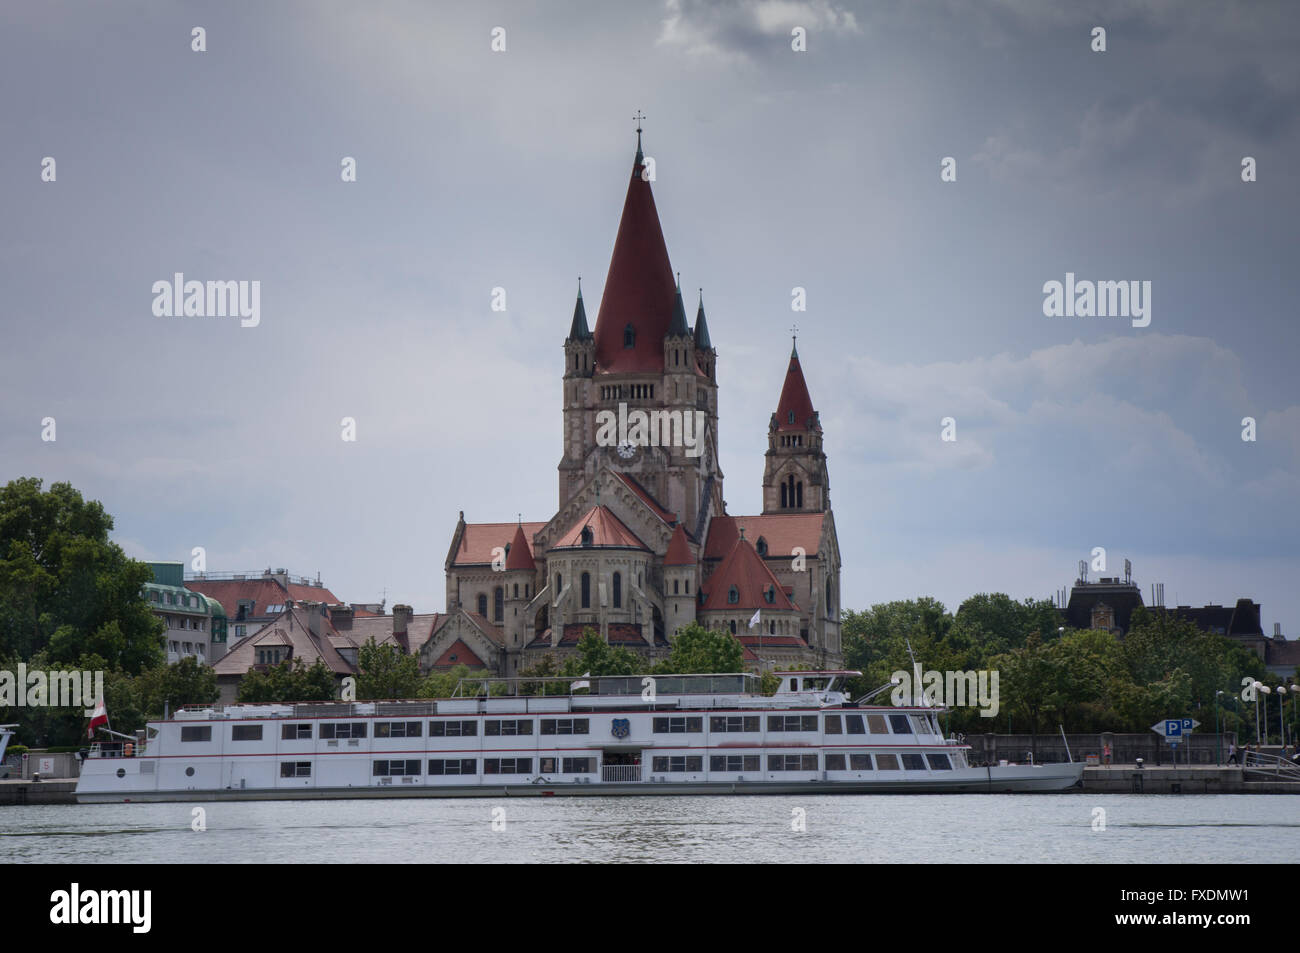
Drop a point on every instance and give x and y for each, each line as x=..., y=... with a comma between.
x=1005, y=779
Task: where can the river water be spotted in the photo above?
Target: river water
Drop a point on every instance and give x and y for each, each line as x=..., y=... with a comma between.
x=835, y=828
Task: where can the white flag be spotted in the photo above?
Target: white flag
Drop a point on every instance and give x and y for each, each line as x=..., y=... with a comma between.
x=581, y=683
x=754, y=621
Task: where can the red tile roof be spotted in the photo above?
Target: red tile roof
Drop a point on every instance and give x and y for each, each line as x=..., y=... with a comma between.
x=666, y=515
x=794, y=398
x=289, y=628
x=606, y=530
x=520, y=555
x=479, y=539
x=772, y=641
x=263, y=591
x=781, y=531
x=639, y=288
x=679, y=551
x=744, y=568
x=458, y=653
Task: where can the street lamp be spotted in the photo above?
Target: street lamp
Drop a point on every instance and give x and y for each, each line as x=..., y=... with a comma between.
x=1218, y=735
x=1262, y=689
x=1281, y=714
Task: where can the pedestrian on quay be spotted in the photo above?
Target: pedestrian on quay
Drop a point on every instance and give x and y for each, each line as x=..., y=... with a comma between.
x=1232, y=753
x=1105, y=755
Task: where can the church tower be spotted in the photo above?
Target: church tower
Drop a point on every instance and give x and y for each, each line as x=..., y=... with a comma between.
x=643, y=357
x=795, y=478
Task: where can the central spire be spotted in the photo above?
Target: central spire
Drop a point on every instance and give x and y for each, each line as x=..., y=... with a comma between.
x=795, y=411
x=636, y=307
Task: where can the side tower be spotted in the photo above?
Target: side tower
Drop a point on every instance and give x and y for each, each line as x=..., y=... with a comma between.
x=795, y=478
x=579, y=366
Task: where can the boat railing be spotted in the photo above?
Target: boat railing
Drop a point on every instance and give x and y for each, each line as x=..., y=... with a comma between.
x=620, y=773
x=115, y=749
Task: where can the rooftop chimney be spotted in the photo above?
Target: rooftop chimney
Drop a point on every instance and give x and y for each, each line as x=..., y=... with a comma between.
x=341, y=617
x=401, y=619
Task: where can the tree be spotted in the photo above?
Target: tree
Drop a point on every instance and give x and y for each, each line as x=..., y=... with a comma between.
x=169, y=687
x=595, y=656
x=65, y=588
x=290, y=681
x=384, y=671
x=697, y=650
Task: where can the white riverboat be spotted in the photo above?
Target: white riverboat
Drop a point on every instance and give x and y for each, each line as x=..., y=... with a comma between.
x=688, y=734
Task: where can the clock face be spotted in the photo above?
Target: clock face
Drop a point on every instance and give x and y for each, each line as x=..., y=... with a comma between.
x=627, y=450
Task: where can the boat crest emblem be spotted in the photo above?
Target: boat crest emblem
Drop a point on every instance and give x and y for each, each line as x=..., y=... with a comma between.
x=621, y=728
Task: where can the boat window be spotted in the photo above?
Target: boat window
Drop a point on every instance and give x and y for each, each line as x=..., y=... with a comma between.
x=734, y=762
x=509, y=726
x=564, y=726
x=862, y=762
x=792, y=762
x=876, y=725
x=343, y=729
x=577, y=765
x=678, y=726
x=245, y=732
x=295, y=732
x=196, y=733
x=922, y=724
x=913, y=762
x=855, y=723
x=678, y=764
x=730, y=723
x=886, y=762
x=397, y=729
x=939, y=762
x=900, y=724
x=835, y=762
x=507, y=765
x=452, y=729
x=444, y=766
x=791, y=722
x=392, y=769
x=295, y=769
x=833, y=726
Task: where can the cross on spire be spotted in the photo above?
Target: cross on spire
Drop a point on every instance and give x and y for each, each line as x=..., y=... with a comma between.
x=638, y=117
x=794, y=339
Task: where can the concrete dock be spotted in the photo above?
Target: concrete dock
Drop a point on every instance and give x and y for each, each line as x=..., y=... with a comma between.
x=1183, y=779
x=60, y=791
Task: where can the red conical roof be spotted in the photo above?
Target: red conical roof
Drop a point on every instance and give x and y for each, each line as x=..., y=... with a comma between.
x=744, y=568
x=639, y=289
x=679, y=552
x=520, y=555
x=794, y=397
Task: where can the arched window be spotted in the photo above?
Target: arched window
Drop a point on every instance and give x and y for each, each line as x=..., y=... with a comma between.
x=798, y=495
x=830, y=601
x=498, y=604
x=688, y=587
x=792, y=416
x=587, y=536
x=676, y=586
x=618, y=590
x=762, y=546
x=733, y=595
x=770, y=594
x=785, y=501
x=733, y=626
x=629, y=341
x=559, y=580
x=586, y=590
x=771, y=627
x=516, y=590
x=482, y=604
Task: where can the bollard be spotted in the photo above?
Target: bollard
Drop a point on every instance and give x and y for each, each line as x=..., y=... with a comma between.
x=1139, y=764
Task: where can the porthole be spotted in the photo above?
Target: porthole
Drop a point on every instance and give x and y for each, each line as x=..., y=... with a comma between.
x=189, y=772
x=121, y=772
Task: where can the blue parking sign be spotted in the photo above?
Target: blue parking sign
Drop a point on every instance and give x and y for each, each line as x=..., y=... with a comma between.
x=1174, y=728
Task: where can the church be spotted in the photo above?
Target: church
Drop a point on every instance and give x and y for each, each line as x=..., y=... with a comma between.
x=641, y=542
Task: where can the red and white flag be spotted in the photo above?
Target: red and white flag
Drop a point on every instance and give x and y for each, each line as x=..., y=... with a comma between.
x=97, y=717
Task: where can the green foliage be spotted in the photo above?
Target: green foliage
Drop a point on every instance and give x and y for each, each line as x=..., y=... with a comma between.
x=384, y=671
x=290, y=681
x=169, y=687
x=66, y=590
x=594, y=656
x=697, y=650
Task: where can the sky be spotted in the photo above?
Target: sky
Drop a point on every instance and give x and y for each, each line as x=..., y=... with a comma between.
x=775, y=169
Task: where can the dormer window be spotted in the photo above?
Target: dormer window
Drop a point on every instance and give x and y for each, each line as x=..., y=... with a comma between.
x=770, y=594
x=587, y=536
x=762, y=546
x=733, y=596
x=629, y=337
x=792, y=416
